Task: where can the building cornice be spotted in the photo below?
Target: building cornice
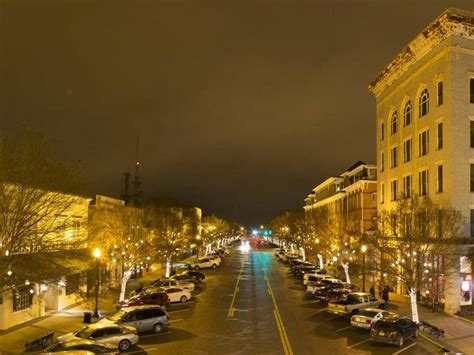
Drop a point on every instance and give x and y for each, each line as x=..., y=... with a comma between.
x=452, y=22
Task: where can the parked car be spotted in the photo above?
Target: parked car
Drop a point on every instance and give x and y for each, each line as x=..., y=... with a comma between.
x=120, y=336
x=196, y=275
x=313, y=287
x=156, y=298
x=355, y=301
x=217, y=258
x=394, y=330
x=315, y=276
x=172, y=283
x=144, y=318
x=82, y=344
x=202, y=263
x=369, y=316
x=322, y=291
x=177, y=294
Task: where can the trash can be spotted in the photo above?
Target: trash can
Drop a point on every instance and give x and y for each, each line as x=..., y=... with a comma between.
x=87, y=317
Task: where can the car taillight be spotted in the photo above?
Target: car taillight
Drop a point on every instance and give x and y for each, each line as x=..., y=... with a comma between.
x=368, y=321
x=345, y=308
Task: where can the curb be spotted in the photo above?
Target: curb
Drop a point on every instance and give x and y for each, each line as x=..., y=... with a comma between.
x=445, y=348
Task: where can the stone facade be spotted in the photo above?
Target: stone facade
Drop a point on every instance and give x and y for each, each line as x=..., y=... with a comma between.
x=438, y=62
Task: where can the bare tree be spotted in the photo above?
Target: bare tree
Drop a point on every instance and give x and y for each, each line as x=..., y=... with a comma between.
x=38, y=196
x=409, y=236
x=120, y=232
x=169, y=224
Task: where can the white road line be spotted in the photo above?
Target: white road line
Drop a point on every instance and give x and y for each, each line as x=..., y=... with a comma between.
x=408, y=347
x=180, y=310
x=340, y=330
x=176, y=320
x=360, y=342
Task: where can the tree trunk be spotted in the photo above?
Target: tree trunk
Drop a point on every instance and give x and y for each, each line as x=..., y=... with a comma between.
x=345, y=266
x=321, y=261
x=414, y=305
x=303, y=254
x=168, y=266
x=123, y=286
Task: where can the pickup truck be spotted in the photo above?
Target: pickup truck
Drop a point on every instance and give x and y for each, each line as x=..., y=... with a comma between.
x=354, y=302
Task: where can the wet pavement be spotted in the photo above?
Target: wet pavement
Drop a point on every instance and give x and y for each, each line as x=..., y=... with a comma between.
x=251, y=304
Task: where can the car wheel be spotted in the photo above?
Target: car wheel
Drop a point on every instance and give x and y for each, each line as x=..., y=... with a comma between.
x=214, y=266
x=124, y=345
x=196, y=267
x=158, y=328
x=400, y=342
x=382, y=306
x=183, y=299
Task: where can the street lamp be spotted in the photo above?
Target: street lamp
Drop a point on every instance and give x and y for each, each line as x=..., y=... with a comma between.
x=363, y=249
x=97, y=253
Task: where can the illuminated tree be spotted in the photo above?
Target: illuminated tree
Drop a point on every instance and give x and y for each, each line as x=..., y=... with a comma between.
x=120, y=232
x=409, y=236
x=215, y=230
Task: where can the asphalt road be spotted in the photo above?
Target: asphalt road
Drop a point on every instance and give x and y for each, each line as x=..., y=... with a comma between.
x=251, y=304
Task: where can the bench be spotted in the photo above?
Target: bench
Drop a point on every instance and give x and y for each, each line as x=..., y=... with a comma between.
x=39, y=343
x=432, y=329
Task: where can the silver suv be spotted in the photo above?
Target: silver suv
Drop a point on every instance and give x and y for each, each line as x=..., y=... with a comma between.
x=144, y=318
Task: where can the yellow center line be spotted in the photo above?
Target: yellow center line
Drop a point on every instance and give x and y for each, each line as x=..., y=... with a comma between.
x=231, y=311
x=276, y=312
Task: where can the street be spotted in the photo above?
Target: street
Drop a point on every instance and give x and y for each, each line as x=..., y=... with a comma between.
x=253, y=305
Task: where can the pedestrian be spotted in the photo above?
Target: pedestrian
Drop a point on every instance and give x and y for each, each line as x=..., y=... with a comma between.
x=372, y=291
x=385, y=292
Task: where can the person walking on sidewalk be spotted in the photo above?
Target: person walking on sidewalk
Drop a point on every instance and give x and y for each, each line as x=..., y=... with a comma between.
x=372, y=291
x=385, y=292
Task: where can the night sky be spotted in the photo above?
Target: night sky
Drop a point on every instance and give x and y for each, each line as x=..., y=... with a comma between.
x=242, y=107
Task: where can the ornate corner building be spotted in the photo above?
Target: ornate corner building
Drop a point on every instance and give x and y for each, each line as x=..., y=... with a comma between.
x=425, y=130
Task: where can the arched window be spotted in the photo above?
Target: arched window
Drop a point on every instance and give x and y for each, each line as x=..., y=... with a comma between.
x=424, y=106
x=394, y=123
x=407, y=114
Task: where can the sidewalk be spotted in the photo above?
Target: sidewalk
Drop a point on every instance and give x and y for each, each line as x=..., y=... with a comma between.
x=459, y=333
x=12, y=341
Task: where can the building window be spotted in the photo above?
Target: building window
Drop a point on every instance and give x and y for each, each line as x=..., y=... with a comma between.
x=472, y=223
x=440, y=93
x=407, y=186
x=439, y=187
x=472, y=177
x=407, y=114
x=423, y=143
x=472, y=134
x=423, y=183
x=382, y=131
x=22, y=299
x=393, y=190
x=407, y=148
x=424, y=102
x=394, y=123
x=440, y=135
x=472, y=90
x=382, y=161
x=393, y=157
x=382, y=193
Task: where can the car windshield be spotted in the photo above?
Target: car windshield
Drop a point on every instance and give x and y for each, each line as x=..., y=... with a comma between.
x=117, y=316
x=84, y=332
x=366, y=313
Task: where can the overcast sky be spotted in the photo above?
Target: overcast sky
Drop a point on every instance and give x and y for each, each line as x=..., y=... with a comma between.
x=242, y=107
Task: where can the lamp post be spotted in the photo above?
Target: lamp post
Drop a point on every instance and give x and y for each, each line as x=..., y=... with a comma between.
x=363, y=249
x=97, y=254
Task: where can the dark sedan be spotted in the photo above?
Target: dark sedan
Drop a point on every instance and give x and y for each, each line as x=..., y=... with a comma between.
x=394, y=330
x=158, y=298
